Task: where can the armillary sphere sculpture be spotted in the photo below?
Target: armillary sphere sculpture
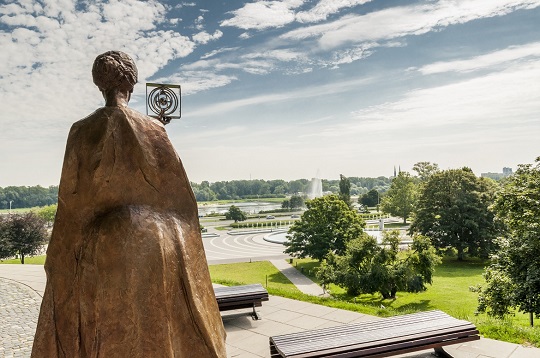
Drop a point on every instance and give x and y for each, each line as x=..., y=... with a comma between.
x=163, y=101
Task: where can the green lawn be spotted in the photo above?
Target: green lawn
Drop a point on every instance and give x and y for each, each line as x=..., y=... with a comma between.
x=36, y=260
x=449, y=293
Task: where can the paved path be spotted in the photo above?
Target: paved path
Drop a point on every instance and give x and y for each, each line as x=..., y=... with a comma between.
x=303, y=283
x=19, y=310
x=240, y=248
x=20, y=286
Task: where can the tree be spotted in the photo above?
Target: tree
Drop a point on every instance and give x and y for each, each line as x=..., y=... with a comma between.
x=235, y=214
x=296, y=202
x=371, y=198
x=368, y=267
x=47, y=213
x=400, y=199
x=513, y=277
x=425, y=170
x=327, y=225
x=345, y=189
x=22, y=234
x=453, y=211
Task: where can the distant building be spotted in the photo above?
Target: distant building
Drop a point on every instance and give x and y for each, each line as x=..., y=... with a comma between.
x=498, y=176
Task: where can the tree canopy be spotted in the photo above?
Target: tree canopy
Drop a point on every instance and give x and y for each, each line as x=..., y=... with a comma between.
x=367, y=267
x=27, y=196
x=22, y=234
x=371, y=198
x=400, y=199
x=235, y=214
x=345, y=189
x=513, y=278
x=326, y=226
x=425, y=170
x=453, y=211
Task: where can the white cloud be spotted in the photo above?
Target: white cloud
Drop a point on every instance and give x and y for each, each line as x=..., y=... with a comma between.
x=262, y=15
x=510, y=97
x=324, y=8
x=49, y=53
x=402, y=21
x=312, y=92
x=218, y=51
x=197, y=81
x=487, y=61
x=204, y=37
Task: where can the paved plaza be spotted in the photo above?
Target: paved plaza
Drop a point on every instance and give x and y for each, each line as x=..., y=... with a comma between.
x=22, y=286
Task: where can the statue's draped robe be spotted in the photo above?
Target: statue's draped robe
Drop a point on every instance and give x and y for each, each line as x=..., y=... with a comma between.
x=126, y=270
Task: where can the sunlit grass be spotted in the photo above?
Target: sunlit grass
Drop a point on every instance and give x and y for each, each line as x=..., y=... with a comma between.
x=29, y=260
x=449, y=293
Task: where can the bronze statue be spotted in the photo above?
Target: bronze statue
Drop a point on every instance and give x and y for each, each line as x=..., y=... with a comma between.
x=126, y=270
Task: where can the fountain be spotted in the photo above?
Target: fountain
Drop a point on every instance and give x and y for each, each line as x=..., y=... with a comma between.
x=315, y=188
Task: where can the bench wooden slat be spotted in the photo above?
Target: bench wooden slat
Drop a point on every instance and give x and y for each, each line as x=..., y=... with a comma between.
x=379, y=338
x=245, y=296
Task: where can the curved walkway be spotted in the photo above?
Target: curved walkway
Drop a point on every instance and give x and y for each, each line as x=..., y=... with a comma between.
x=19, y=309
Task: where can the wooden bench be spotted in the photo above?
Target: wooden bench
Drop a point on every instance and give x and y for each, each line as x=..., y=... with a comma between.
x=246, y=296
x=379, y=338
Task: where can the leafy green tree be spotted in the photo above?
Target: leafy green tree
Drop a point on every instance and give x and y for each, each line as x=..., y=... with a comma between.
x=371, y=198
x=368, y=267
x=296, y=202
x=6, y=248
x=400, y=199
x=453, y=211
x=47, y=213
x=235, y=214
x=513, y=277
x=286, y=204
x=425, y=170
x=345, y=189
x=326, y=226
x=23, y=234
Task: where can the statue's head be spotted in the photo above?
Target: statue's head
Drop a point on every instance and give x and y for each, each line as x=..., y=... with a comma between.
x=114, y=71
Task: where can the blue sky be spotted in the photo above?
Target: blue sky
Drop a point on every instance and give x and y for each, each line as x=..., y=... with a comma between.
x=283, y=89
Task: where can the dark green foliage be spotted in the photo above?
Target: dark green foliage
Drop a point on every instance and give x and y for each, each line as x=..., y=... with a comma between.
x=27, y=196
x=368, y=267
x=345, y=189
x=22, y=234
x=400, y=199
x=453, y=211
x=371, y=198
x=245, y=189
x=235, y=214
x=295, y=202
x=513, y=278
x=326, y=226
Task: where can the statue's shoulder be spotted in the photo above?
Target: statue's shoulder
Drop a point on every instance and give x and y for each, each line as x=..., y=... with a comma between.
x=140, y=117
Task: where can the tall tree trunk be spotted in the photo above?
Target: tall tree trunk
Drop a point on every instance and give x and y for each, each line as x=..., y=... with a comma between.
x=22, y=258
x=460, y=254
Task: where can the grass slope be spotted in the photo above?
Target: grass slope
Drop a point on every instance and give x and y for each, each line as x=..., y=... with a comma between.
x=449, y=293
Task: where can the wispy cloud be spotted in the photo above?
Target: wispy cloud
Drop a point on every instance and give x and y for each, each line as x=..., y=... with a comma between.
x=263, y=14
x=469, y=104
x=489, y=61
x=325, y=8
x=334, y=88
x=402, y=21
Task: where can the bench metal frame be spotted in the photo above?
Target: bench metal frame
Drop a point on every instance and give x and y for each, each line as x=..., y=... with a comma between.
x=380, y=338
x=245, y=296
